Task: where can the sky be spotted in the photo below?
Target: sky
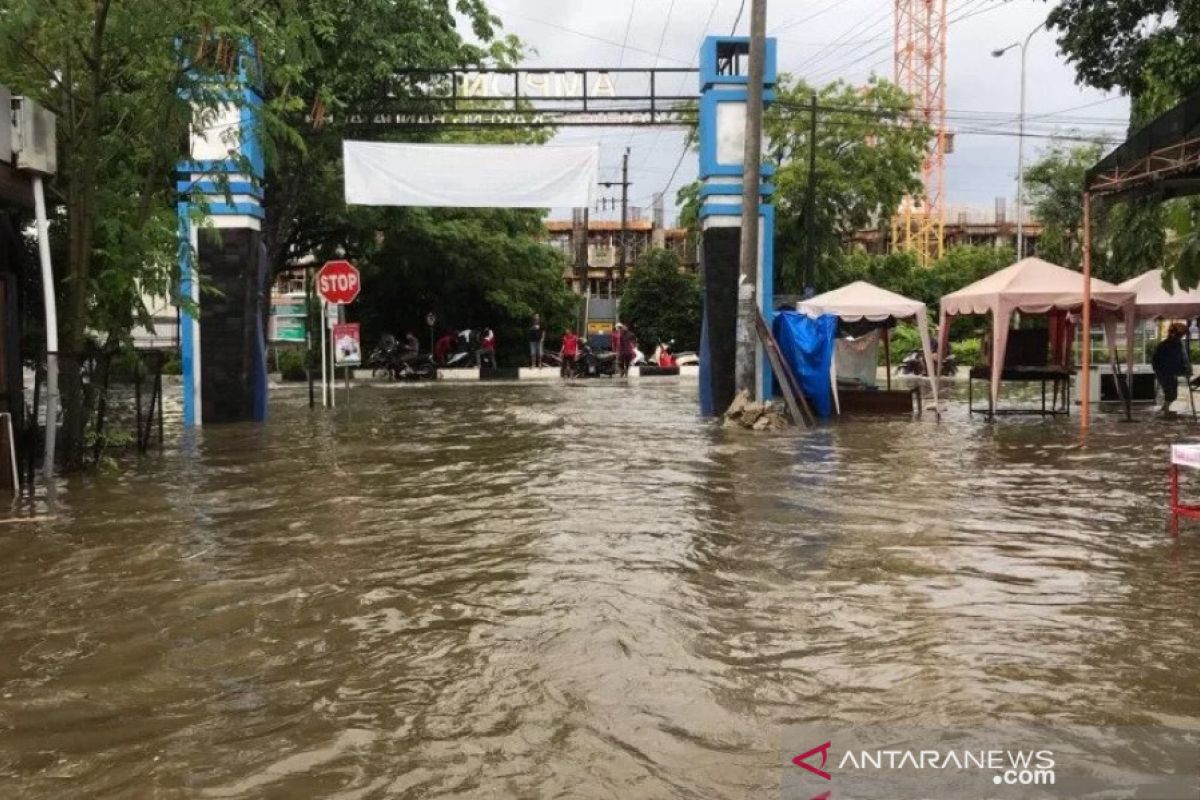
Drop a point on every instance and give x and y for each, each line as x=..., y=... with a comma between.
x=820, y=41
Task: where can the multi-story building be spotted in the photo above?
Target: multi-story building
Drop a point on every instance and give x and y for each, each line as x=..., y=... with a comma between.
x=602, y=277
x=964, y=226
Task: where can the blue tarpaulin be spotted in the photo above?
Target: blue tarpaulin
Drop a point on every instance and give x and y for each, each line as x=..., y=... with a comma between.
x=806, y=344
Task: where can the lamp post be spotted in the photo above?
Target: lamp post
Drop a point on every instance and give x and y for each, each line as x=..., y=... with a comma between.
x=1020, y=140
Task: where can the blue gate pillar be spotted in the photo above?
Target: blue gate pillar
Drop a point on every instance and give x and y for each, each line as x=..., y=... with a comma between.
x=222, y=347
x=723, y=83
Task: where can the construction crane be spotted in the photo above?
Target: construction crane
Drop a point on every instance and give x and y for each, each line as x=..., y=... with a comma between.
x=920, y=68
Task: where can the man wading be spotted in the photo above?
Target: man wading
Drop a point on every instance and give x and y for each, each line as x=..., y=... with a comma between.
x=1169, y=362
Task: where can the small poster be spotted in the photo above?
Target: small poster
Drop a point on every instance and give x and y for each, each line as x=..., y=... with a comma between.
x=347, y=345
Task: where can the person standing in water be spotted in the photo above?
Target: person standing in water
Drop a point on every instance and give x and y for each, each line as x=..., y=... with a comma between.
x=1169, y=362
x=537, y=338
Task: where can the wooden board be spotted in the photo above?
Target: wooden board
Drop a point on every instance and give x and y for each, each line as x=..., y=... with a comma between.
x=793, y=396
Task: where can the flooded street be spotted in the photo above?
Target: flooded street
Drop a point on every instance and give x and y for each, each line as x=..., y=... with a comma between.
x=538, y=590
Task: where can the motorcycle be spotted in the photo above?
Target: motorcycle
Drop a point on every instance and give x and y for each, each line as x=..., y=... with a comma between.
x=914, y=364
x=466, y=351
x=380, y=360
x=592, y=364
x=387, y=360
x=420, y=367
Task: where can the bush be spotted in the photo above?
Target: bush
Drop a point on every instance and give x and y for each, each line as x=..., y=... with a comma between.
x=173, y=366
x=291, y=366
x=905, y=338
x=968, y=353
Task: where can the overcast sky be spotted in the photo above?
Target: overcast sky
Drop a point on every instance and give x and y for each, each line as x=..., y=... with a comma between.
x=821, y=40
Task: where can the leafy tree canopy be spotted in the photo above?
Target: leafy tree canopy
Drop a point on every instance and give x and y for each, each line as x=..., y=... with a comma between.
x=1138, y=46
x=868, y=156
x=661, y=303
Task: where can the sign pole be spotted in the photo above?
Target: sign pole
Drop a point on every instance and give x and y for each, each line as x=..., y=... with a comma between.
x=324, y=360
x=332, y=366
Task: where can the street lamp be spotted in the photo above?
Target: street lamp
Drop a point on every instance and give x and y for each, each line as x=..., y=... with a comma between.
x=1020, y=140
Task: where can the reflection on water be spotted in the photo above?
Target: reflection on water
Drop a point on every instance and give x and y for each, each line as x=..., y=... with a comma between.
x=577, y=591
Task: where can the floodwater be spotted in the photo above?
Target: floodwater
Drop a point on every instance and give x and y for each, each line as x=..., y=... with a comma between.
x=584, y=591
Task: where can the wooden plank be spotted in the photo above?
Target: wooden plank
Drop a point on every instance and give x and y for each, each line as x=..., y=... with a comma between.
x=793, y=396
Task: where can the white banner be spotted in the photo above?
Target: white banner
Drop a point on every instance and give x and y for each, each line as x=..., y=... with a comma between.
x=470, y=176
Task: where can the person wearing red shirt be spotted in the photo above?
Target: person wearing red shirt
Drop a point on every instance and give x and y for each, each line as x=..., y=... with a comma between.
x=442, y=348
x=487, y=349
x=569, y=352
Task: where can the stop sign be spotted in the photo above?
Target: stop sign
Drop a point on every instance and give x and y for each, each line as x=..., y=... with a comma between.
x=338, y=282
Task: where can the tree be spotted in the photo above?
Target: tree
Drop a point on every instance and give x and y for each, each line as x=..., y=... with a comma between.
x=471, y=268
x=1053, y=187
x=1139, y=46
x=306, y=214
x=868, y=157
x=122, y=78
x=662, y=303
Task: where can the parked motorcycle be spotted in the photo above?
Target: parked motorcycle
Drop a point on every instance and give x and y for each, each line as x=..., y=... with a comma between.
x=466, y=351
x=381, y=358
x=914, y=364
x=388, y=360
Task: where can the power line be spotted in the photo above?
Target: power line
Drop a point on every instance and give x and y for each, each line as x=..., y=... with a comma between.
x=592, y=36
x=625, y=39
x=737, y=19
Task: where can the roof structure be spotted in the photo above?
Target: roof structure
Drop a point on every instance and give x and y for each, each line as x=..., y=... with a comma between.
x=1160, y=160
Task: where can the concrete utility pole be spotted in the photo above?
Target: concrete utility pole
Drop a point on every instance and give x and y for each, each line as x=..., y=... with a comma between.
x=623, y=253
x=745, y=372
x=624, y=217
x=810, y=205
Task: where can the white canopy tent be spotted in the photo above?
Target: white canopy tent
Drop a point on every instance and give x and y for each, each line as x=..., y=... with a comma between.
x=1155, y=302
x=865, y=301
x=1034, y=286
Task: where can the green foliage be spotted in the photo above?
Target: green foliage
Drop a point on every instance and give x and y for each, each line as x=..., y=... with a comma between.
x=905, y=339
x=868, y=156
x=291, y=365
x=1137, y=234
x=968, y=352
x=471, y=268
x=173, y=366
x=660, y=303
x=1138, y=46
x=1053, y=187
x=900, y=272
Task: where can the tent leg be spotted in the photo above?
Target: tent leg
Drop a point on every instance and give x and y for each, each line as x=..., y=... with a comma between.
x=887, y=354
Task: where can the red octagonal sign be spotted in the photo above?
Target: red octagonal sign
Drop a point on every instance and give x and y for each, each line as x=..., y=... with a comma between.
x=338, y=282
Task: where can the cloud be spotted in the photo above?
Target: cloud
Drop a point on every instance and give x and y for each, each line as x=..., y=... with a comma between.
x=821, y=41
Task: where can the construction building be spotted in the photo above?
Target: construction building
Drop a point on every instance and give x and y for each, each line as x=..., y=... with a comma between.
x=595, y=266
x=602, y=276
x=962, y=226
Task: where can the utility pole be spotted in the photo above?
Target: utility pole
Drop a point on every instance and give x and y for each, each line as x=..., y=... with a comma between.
x=623, y=255
x=624, y=217
x=745, y=372
x=810, y=203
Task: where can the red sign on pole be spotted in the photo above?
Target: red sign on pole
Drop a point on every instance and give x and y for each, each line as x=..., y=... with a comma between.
x=347, y=345
x=338, y=282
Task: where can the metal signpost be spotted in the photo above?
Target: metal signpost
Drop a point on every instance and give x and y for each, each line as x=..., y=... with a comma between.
x=338, y=284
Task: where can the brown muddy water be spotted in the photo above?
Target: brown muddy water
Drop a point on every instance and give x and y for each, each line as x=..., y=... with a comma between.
x=538, y=591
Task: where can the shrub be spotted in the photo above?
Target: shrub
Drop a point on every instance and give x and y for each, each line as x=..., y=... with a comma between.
x=904, y=339
x=173, y=366
x=291, y=366
x=968, y=353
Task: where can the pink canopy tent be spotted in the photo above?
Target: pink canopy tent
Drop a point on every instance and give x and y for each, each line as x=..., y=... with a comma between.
x=1155, y=302
x=1034, y=286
